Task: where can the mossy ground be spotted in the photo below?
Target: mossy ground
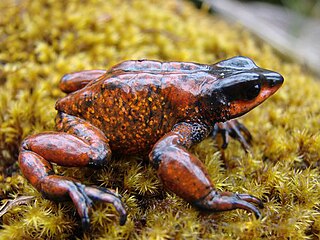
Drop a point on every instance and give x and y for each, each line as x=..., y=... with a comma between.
x=42, y=40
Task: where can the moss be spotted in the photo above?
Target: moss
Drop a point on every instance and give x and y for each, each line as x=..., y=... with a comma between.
x=42, y=40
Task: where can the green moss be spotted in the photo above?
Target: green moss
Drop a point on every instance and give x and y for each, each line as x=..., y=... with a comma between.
x=42, y=40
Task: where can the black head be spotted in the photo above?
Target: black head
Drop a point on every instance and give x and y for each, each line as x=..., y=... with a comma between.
x=243, y=85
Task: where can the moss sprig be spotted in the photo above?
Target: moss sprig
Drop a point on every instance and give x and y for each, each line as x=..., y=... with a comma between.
x=43, y=40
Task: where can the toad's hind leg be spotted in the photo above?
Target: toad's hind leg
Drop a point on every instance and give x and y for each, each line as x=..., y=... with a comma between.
x=80, y=145
x=74, y=81
x=185, y=175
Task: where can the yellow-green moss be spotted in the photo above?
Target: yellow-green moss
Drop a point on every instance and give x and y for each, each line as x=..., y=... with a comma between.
x=42, y=40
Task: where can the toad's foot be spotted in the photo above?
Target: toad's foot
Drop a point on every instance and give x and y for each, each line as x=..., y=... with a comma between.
x=225, y=201
x=236, y=130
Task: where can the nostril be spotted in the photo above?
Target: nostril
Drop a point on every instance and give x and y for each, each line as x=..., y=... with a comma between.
x=274, y=79
x=272, y=82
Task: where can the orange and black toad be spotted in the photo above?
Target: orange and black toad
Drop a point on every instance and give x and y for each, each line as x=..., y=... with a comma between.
x=151, y=108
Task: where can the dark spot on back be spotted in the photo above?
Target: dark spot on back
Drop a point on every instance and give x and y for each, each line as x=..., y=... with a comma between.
x=88, y=103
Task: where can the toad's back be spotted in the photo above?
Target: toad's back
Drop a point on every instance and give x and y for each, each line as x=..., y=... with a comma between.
x=134, y=109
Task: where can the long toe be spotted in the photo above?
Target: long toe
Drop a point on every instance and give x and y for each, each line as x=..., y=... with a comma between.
x=226, y=201
x=85, y=224
x=108, y=196
x=251, y=199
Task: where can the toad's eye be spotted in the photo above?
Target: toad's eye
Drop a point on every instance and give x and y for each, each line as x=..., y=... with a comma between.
x=252, y=92
x=243, y=91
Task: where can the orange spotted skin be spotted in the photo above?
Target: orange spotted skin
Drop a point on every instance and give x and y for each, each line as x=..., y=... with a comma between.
x=150, y=108
x=135, y=109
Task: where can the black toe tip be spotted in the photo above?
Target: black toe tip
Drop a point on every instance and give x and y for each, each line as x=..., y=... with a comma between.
x=85, y=224
x=123, y=220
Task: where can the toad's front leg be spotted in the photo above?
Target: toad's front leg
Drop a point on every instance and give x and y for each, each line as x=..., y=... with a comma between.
x=185, y=175
x=80, y=145
x=236, y=130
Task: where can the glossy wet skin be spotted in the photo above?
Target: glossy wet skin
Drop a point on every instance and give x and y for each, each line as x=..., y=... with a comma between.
x=151, y=108
x=137, y=102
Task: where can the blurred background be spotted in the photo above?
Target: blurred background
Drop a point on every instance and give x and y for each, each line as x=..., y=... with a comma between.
x=290, y=26
x=309, y=8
